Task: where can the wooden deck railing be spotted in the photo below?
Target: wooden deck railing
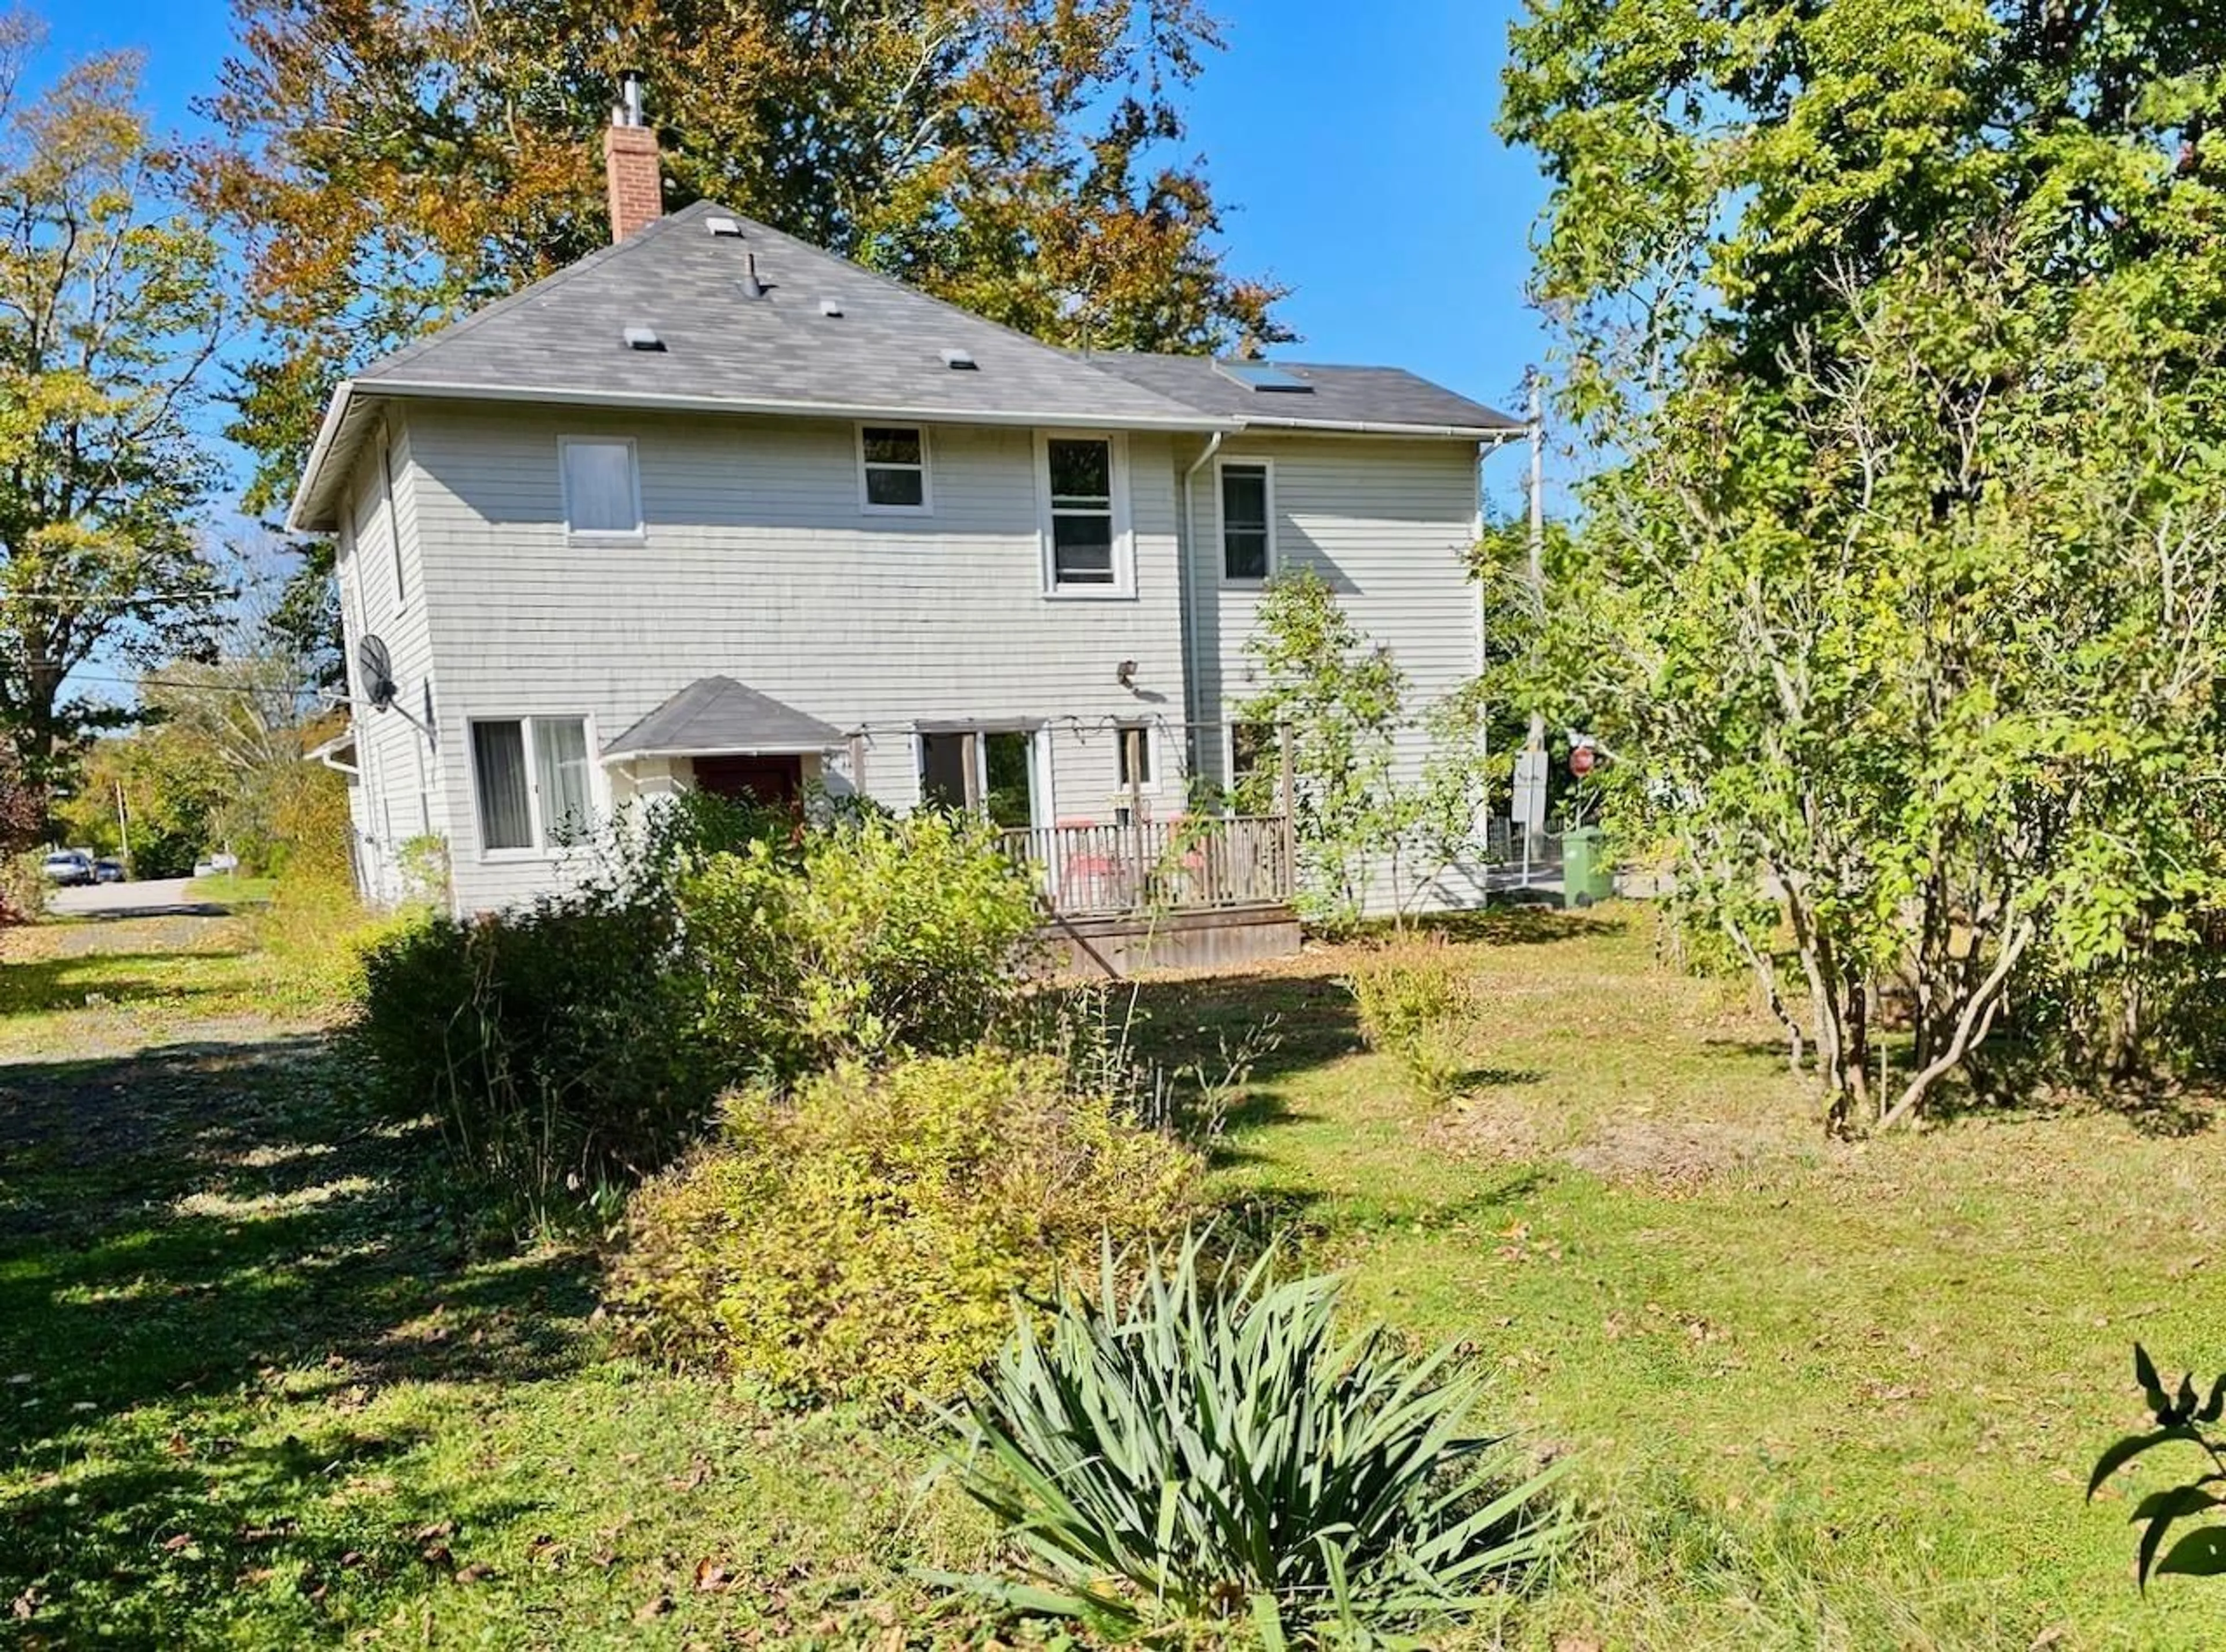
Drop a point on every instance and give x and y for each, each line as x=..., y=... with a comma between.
x=1182, y=865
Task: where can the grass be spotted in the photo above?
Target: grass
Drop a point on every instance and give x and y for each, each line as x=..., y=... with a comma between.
x=257, y=1387
x=230, y=889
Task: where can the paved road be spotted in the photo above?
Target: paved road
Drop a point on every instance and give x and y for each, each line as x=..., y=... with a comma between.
x=152, y=897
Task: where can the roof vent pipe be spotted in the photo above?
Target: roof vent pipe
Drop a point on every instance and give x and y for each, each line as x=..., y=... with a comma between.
x=628, y=113
x=752, y=287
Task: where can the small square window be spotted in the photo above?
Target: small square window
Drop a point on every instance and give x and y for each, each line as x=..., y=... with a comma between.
x=602, y=487
x=892, y=462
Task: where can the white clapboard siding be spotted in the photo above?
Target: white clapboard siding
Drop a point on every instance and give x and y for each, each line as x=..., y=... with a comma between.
x=397, y=796
x=1389, y=525
x=758, y=563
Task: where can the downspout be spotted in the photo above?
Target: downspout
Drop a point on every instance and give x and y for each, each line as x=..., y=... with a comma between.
x=1187, y=584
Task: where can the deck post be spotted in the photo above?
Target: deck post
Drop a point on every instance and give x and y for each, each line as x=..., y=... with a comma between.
x=1289, y=880
x=1133, y=750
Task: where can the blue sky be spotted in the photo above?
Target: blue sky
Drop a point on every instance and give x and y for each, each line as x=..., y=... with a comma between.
x=1355, y=148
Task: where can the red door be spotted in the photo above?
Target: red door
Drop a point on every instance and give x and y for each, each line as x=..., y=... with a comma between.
x=776, y=782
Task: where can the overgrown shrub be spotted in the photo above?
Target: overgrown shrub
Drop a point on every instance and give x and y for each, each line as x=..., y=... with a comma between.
x=23, y=886
x=1414, y=1000
x=1204, y=1446
x=555, y=1045
x=864, y=1239
x=874, y=935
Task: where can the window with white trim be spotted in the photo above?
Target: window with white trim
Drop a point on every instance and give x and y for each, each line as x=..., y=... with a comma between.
x=602, y=487
x=1142, y=744
x=534, y=782
x=1248, y=530
x=1085, y=536
x=892, y=469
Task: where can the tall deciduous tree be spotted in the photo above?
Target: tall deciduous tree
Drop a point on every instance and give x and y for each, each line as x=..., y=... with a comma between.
x=111, y=310
x=391, y=166
x=1900, y=588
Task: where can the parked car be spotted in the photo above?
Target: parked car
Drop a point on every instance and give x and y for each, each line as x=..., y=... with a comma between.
x=68, y=868
x=108, y=872
x=216, y=865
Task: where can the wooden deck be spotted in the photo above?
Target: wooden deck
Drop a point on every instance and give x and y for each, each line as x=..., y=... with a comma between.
x=1190, y=864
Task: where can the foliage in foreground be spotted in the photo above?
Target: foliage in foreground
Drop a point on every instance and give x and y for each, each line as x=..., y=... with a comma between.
x=1412, y=999
x=873, y=935
x=864, y=1239
x=2184, y=1418
x=552, y=1046
x=1898, y=591
x=1202, y=1445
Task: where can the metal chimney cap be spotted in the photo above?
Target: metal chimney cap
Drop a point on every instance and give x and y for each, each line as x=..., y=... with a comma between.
x=628, y=113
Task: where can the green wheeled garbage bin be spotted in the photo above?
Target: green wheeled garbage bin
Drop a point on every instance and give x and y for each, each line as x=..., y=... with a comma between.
x=1587, y=876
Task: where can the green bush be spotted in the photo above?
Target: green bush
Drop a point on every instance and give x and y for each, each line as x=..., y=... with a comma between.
x=863, y=1239
x=1203, y=1446
x=876, y=934
x=555, y=1046
x=1414, y=1000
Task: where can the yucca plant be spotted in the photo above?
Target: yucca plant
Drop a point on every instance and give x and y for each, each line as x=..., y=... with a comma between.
x=1202, y=1445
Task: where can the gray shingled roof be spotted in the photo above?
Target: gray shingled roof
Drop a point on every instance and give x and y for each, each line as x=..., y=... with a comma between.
x=1342, y=397
x=884, y=351
x=717, y=716
x=562, y=341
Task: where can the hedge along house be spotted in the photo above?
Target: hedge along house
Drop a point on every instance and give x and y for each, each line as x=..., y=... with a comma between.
x=713, y=508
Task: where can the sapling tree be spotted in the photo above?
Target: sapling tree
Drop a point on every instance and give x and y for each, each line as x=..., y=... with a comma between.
x=1348, y=704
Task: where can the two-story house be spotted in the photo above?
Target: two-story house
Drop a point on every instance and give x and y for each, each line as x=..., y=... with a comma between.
x=712, y=507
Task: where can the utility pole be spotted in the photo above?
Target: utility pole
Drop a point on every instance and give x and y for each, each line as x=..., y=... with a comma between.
x=124, y=829
x=1529, y=811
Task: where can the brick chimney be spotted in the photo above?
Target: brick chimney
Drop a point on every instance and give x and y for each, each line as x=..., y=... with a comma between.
x=632, y=177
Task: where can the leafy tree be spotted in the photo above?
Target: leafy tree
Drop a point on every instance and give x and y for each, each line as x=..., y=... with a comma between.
x=1895, y=326
x=112, y=308
x=391, y=167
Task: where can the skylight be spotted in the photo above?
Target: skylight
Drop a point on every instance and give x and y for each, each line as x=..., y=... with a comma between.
x=830, y=306
x=719, y=226
x=1263, y=377
x=960, y=361
x=643, y=338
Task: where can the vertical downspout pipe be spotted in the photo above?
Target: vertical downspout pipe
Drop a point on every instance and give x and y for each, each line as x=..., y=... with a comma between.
x=1187, y=587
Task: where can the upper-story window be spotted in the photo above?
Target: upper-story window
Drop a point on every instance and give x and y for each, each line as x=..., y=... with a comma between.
x=602, y=487
x=1088, y=554
x=1248, y=521
x=393, y=521
x=892, y=469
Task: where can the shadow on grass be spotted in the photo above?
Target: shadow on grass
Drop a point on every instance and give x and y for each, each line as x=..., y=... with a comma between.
x=194, y=1240
x=40, y=985
x=1308, y=1020
x=1524, y=925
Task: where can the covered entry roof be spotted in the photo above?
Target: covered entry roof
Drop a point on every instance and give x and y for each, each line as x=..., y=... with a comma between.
x=716, y=716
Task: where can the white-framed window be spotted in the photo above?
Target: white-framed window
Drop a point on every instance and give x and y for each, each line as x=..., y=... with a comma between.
x=1148, y=757
x=535, y=783
x=602, y=487
x=893, y=470
x=1247, y=493
x=1084, y=481
x=393, y=519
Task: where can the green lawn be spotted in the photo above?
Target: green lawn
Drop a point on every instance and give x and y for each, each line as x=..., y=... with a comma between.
x=230, y=889
x=256, y=1388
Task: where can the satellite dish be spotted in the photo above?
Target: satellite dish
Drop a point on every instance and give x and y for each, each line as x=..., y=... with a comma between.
x=376, y=668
